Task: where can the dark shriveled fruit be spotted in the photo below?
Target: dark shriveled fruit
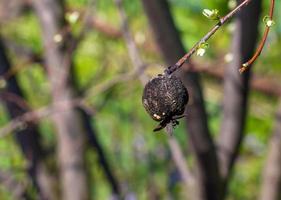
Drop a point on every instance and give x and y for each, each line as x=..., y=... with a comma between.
x=164, y=98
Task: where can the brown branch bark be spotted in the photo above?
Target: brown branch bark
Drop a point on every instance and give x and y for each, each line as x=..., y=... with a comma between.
x=236, y=89
x=71, y=133
x=271, y=181
x=221, y=21
x=172, y=49
x=262, y=43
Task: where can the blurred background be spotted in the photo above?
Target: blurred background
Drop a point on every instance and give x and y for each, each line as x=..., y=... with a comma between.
x=72, y=124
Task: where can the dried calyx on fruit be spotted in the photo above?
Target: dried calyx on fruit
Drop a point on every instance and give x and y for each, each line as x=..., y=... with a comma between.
x=164, y=98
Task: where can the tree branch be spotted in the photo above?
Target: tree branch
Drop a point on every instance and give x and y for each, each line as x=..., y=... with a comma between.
x=221, y=22
x=246, y=65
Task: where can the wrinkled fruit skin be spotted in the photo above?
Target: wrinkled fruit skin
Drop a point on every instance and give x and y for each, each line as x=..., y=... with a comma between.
x=164, y=98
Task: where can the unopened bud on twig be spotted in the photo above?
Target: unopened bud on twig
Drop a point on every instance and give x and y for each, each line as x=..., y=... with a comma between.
x=211, y=14
x=268, y=21
x=202, y=49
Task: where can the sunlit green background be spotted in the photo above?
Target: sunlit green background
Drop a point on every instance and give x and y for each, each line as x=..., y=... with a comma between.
x=139, y=157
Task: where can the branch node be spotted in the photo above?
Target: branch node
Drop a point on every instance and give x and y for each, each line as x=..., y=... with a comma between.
x=244, y=67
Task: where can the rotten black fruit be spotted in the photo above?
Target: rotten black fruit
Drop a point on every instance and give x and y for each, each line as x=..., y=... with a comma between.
x=164, y=98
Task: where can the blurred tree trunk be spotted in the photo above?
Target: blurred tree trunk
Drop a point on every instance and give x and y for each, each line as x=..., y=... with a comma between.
x=69, y=124
x=29, y=137
x=236, y=88
x=271, y=182
x=168, y=40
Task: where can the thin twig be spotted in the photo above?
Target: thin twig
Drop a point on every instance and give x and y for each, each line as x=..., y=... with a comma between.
x=85, y=23
x=247, y=64
x=222, y=21
x=75, y=41
x=178, y=157
x=10, y=97
x=17, y=189
x=15, y=69
x=131, y=45
x=102, y=87
x=36, y=115
x=21, y=121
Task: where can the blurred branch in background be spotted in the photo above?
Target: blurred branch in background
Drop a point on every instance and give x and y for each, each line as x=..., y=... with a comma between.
x=73, y=123
x=28, y=137
x=236, y=89
x=33, y=117
x=264, y=84
x=70, y=131
x=131, y=45
x=18, y=189
x=88, y=117
x=178, y=157
x=271, y=180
